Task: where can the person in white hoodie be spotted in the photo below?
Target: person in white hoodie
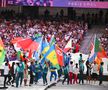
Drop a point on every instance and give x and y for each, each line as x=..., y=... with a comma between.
x=6, y=73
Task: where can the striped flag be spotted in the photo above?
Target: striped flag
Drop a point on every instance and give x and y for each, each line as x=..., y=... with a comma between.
x=97, y=52
x=92, y=54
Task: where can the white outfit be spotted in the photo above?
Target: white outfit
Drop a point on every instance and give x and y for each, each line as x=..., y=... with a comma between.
x=95, y=68
x=76, y=70
x=71, y=68
x=6, y=70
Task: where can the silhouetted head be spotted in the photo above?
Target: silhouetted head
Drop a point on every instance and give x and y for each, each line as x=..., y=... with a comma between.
x=102, y=63
x=71, y=62
x=80, y=55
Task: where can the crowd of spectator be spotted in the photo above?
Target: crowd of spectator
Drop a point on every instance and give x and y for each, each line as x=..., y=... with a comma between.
x=104, y=39
x=62, y=30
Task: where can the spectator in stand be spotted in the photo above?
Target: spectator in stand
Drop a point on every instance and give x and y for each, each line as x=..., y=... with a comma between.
x=29, y=28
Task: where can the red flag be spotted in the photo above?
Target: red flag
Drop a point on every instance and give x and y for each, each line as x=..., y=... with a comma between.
x=30, y=54
x=59, y=53
x=68, y=46
x=15, y=40
x=28, y=44
x=102, y=53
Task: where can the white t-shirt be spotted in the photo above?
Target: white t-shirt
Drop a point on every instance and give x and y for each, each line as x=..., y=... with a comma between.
x=6, y=70
x=76, y=70
x=14, y=69
x=71, y=68
x=95, y=68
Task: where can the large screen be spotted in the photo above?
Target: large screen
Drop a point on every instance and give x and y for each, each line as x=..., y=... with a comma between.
x=63, y=3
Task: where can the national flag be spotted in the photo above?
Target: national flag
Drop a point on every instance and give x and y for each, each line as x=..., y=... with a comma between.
x=92, y=55
x=60, y=57
x=38, y=35
x=102, y=53
x=18, y=54
x=98, y=60
x=38, y=52
x=28, y=44
x=65, y=59
x=97, y=52
x=52, y=56
x=36, y=55
x=68, y=46
x=52, y=41
x=16, y=39
x=14, y=42
x=96, y=45
x=2, y=52
x=45, y=47
x=30, y=54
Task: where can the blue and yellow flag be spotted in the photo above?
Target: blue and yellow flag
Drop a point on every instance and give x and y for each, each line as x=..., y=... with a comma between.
x=45, y=47
x=42, y=49
x=52, y=56
x=2, y=52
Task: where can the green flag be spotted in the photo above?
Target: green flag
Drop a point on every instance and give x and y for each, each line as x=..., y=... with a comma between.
x=2, y=52
x=97, y=45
